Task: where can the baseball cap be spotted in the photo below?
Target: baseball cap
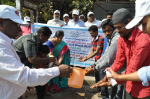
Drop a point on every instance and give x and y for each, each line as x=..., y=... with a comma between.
x=121, y=15
x=90, y=13
x=142, y=9
x=56, y=11
x=26, y=18
x=9, y=12
x=75, y=12
x=65, y=15
x=81, y=16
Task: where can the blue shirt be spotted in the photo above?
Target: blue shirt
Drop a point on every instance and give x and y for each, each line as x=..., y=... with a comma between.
x=144, y=75
x=65, y=24
x=79, y=23
x=105, y=44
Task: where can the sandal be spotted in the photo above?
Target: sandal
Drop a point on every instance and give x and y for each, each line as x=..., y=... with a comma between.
x=54, y=89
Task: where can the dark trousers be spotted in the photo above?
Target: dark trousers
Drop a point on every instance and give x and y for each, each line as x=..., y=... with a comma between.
x=128, y=96
x=117, y=91
x=120, y=90
x=98, y=76
x=40, y=91
x=113, y=92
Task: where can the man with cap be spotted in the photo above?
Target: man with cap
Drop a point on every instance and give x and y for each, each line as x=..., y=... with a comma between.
x=132, y=48
x=56, y=21
x=75, y=22
x=82, y=17
x=92, y=20
x=15, y=76
x=66, y=19
x=26, y=29
x=143, y=73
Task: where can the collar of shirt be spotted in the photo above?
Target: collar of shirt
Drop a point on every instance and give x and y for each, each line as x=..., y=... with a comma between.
x=53, y=20
x=75, y=22
x=112, y=36
x=133, y=35
x=92, y=22
x=36, y=38
x=96, y=37
x=6, y=38
x=65, y=23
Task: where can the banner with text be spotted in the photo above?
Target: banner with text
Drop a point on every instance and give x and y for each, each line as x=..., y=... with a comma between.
x=78, y=40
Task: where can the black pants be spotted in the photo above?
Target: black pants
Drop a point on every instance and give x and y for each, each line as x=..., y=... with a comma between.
x=98, y=76
x=113, y=92
x=128, y=96
x=40, y=91
x=117, y=91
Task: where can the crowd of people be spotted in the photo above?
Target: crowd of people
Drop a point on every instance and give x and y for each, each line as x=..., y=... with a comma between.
x=25, y=62
x=77, y=19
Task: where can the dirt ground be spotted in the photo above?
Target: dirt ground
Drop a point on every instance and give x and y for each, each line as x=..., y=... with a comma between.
x=71, y=93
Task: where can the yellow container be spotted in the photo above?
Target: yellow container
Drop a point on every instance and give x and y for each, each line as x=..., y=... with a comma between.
x=77, y=78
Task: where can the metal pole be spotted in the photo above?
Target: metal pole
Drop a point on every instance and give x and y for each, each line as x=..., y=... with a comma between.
x=19, y=6
x=37, y=14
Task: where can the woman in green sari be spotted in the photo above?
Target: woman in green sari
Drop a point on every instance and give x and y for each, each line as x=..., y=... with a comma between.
x=60, y=50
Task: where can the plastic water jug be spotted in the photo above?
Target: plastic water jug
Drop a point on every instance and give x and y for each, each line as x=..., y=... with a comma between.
x=77, y=78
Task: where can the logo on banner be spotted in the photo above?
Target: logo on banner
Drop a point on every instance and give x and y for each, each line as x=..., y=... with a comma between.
x=76, y=33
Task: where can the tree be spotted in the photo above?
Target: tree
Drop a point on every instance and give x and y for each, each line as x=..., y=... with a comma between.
x=84, y=6
x=8, y=2
x=47, y=7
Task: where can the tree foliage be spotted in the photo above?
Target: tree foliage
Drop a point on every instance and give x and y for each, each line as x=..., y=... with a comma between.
x=47, y=8
x=8, y=2
x=84, y=6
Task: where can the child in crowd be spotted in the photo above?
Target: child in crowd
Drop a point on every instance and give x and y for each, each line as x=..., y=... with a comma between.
x=41, y=89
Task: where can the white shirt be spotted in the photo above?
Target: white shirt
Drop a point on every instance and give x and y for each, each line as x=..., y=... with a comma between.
x=14, y=76
x=79, y=23
x=95, y=22
x=54, y=23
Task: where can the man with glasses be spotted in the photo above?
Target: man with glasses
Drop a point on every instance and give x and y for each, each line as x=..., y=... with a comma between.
x=15, y=76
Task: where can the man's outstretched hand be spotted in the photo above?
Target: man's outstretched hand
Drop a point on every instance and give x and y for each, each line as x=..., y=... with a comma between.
x=101, y=83
x=65, y=71
x=89, y=70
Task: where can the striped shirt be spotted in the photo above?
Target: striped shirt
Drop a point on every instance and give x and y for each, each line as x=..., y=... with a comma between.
x=99, y=41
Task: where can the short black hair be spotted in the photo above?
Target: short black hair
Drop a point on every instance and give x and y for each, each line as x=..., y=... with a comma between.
x=45, y=30
x=109, y=13
x=107, y=22
x=59, y=33
x=44, y=49
x=93, y=27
